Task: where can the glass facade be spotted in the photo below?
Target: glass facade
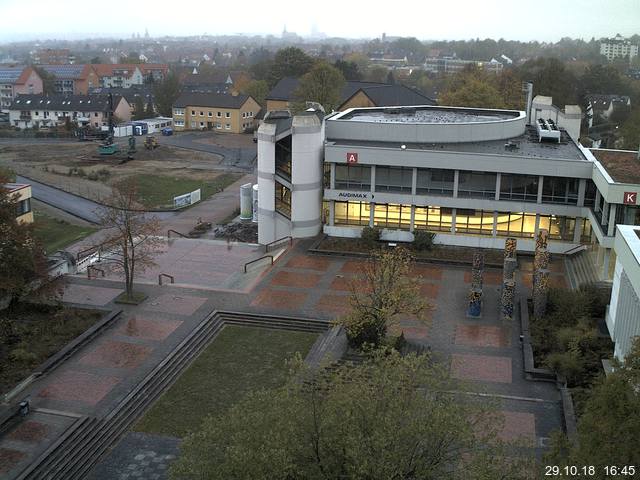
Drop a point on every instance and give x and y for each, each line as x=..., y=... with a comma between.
x=283, y=157
x=283, y=200
x=352, y=213
x=585, y=237
x=516, y=224
x=394, y=179
x=434, y=219
x=560, y=228
x=590, y=194
x=474, y=221
x=393, y=216
x=519, y=187
x=560, y=190
x=435, y=181
x=353, y=177
x=476, y=184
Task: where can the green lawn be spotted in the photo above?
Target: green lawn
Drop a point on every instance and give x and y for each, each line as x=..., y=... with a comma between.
x=156, y=191
x=240, y=359
x=56, y=234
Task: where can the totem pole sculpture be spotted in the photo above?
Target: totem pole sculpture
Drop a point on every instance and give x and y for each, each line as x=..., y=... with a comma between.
x=541, y=275
x=475, y=293
x=508, y=279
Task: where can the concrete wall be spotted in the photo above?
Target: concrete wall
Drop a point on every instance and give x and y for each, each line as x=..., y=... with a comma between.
x=570, y=118
x=267, y=229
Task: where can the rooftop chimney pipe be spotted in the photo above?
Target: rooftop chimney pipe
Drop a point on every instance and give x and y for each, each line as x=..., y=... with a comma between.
x=528, y=88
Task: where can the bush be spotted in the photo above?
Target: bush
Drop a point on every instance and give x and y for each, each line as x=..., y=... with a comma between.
x=423, y=240
x=21, y=355
x=370, y=236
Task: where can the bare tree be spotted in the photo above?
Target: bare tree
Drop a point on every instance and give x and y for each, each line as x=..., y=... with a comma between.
x=131, y=242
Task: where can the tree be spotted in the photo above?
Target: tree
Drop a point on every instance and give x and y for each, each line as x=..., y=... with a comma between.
x=323, y=84
x=376, y=73
x=132, y=241
x=289, y=62
x=386, y=418
x=391, y=79
x=48, y=80
x=551, y=78
x=166, y=92
x=258, y=89
x=23, y=264
x=149, y=111
x=349, y=70
x=385, y=291
x=609, y=428
x=630, y=130
x=471, y=91
x=138, y=105
x=603, y=79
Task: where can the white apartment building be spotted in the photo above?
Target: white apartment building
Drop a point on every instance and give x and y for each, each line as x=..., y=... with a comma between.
x=618, y=47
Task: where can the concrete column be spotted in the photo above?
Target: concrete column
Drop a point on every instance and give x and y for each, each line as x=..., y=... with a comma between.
x=582, y=188
x=332, y=212
x=540, y=185
x=604, y=274
x=494, y=230
x=456, y=178
x=413, y=218
x=498, y=180
x=612, y=220
x=373, y=178
x=453, y=218
x=372, y=206
x=537, y=226
x=595, y=208
x=605, y=213
x=414, y=185
x=578, y=230
x=332, y=180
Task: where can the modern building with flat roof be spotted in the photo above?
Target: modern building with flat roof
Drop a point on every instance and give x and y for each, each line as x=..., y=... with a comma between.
x=472, y=176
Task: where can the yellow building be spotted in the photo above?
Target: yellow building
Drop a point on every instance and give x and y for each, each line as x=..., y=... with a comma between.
x=23, y=193
x=213, y=111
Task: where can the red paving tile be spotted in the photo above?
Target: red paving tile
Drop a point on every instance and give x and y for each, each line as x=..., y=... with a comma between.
x=342, y=284
x=175, y=304
x=279, y=299
x=9, y=458
x=482, y=336
x=427, y=272
x=334, y=304
x=353, y=266
x=79, y=387
x=312, y=263
x=555, y=281
x=430, y=290
x=415, y=333
x=116, y=355
x=490, y=277
x=481, y=368
x=140, y=327
x=293, y=279
x=518, y=427
x=29, y=431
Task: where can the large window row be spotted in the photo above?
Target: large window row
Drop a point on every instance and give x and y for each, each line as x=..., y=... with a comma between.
x=355, y=177
x=283, y=200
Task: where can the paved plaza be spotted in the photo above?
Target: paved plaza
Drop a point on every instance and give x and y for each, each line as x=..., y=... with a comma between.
x=485, y=353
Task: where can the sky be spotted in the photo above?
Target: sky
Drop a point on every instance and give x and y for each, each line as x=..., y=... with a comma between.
x=425, y=19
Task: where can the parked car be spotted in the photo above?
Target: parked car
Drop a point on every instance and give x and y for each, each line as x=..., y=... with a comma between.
x=166, y=131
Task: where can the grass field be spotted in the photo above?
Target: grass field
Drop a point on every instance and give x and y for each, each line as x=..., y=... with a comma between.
x=239, y=360
x=56, y=234
x=156, y=191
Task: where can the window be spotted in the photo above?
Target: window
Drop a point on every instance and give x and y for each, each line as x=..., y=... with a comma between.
x=586, y=231
x=435, y=219
x=590, y=194
x=210, y=114
x=516, y=224
x=435, y=181
x=351, y=213
x=202, y=114
x=474, y=221
x=218, y=114
x=95, y=114
x=201, y=124
x=560, y=190
x=326, y=183
x=244, y=115
x=476, y=184
x=193, y=112
x=180, y=111
x=227, y=115
x=24, y=206
x=559, y=227
x=519, y=187
x=227, y=126
x=283, y=200
x=392, y=216
x=393, y=179
x=218, y=125
x=193, y=124
x=179, y=123
x=283, y=157
x=352, y=177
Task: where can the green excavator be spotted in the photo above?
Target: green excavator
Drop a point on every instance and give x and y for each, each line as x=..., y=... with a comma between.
x=109, y=146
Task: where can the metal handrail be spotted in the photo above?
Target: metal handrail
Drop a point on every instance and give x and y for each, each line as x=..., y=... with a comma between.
x=574, y=249
x=91, y=267
x=175, y=231
x=93, y=249
x=170, y=277
x=289, y=237
x=254, y=261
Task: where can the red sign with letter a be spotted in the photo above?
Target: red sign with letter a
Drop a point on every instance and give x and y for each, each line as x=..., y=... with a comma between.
x=630, y=198
x=352, y=157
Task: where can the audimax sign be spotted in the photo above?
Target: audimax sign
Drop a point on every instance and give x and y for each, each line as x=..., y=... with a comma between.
x=354, y=195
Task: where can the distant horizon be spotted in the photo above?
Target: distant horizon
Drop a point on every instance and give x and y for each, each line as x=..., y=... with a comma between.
x=66, y=20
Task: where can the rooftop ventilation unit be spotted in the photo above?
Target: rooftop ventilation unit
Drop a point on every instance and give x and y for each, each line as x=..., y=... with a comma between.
x=547, y=130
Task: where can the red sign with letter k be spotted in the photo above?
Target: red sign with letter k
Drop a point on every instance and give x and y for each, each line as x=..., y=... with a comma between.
x=630, y=198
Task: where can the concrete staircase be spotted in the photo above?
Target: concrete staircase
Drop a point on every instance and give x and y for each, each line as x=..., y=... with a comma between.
x=580, y=270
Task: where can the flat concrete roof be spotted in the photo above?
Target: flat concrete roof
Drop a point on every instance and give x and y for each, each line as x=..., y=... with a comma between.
x=527, y=146
x=622, y=165
x=14, y=187
x=426, y=114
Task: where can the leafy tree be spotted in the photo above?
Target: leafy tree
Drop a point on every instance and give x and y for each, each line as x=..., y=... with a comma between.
x=609, y=428
x=138, y=104
x=469, y=90
x=323, y=84
x=289, y=62
x=360, y=59
x=383, y=419
x=630, y=130
x=385, y=290
x=349, y=70
x=96, y=61
x=132, y=241
x=150, y=111
x=48, y=80
x=423, y=240
x=551, y=78
x=391, y=80
x=166, y=92
x=22, y=262
x=261, y=70
x=604, y=79
x=376, y=73
x=258, y=89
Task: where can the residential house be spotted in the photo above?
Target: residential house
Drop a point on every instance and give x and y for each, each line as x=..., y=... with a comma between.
x=118, y=75
x=131, y=95
x=15, y=81
x=618, y=47
x=72, y=79
x=154, y=72
x=23, y=197
x=214, y=111
x=38, y=111
x=54, y=56
x=354, y=94
x=600, y=107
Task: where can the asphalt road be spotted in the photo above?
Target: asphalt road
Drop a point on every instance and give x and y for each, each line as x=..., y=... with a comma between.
x=239, y=157
x=78, y=206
